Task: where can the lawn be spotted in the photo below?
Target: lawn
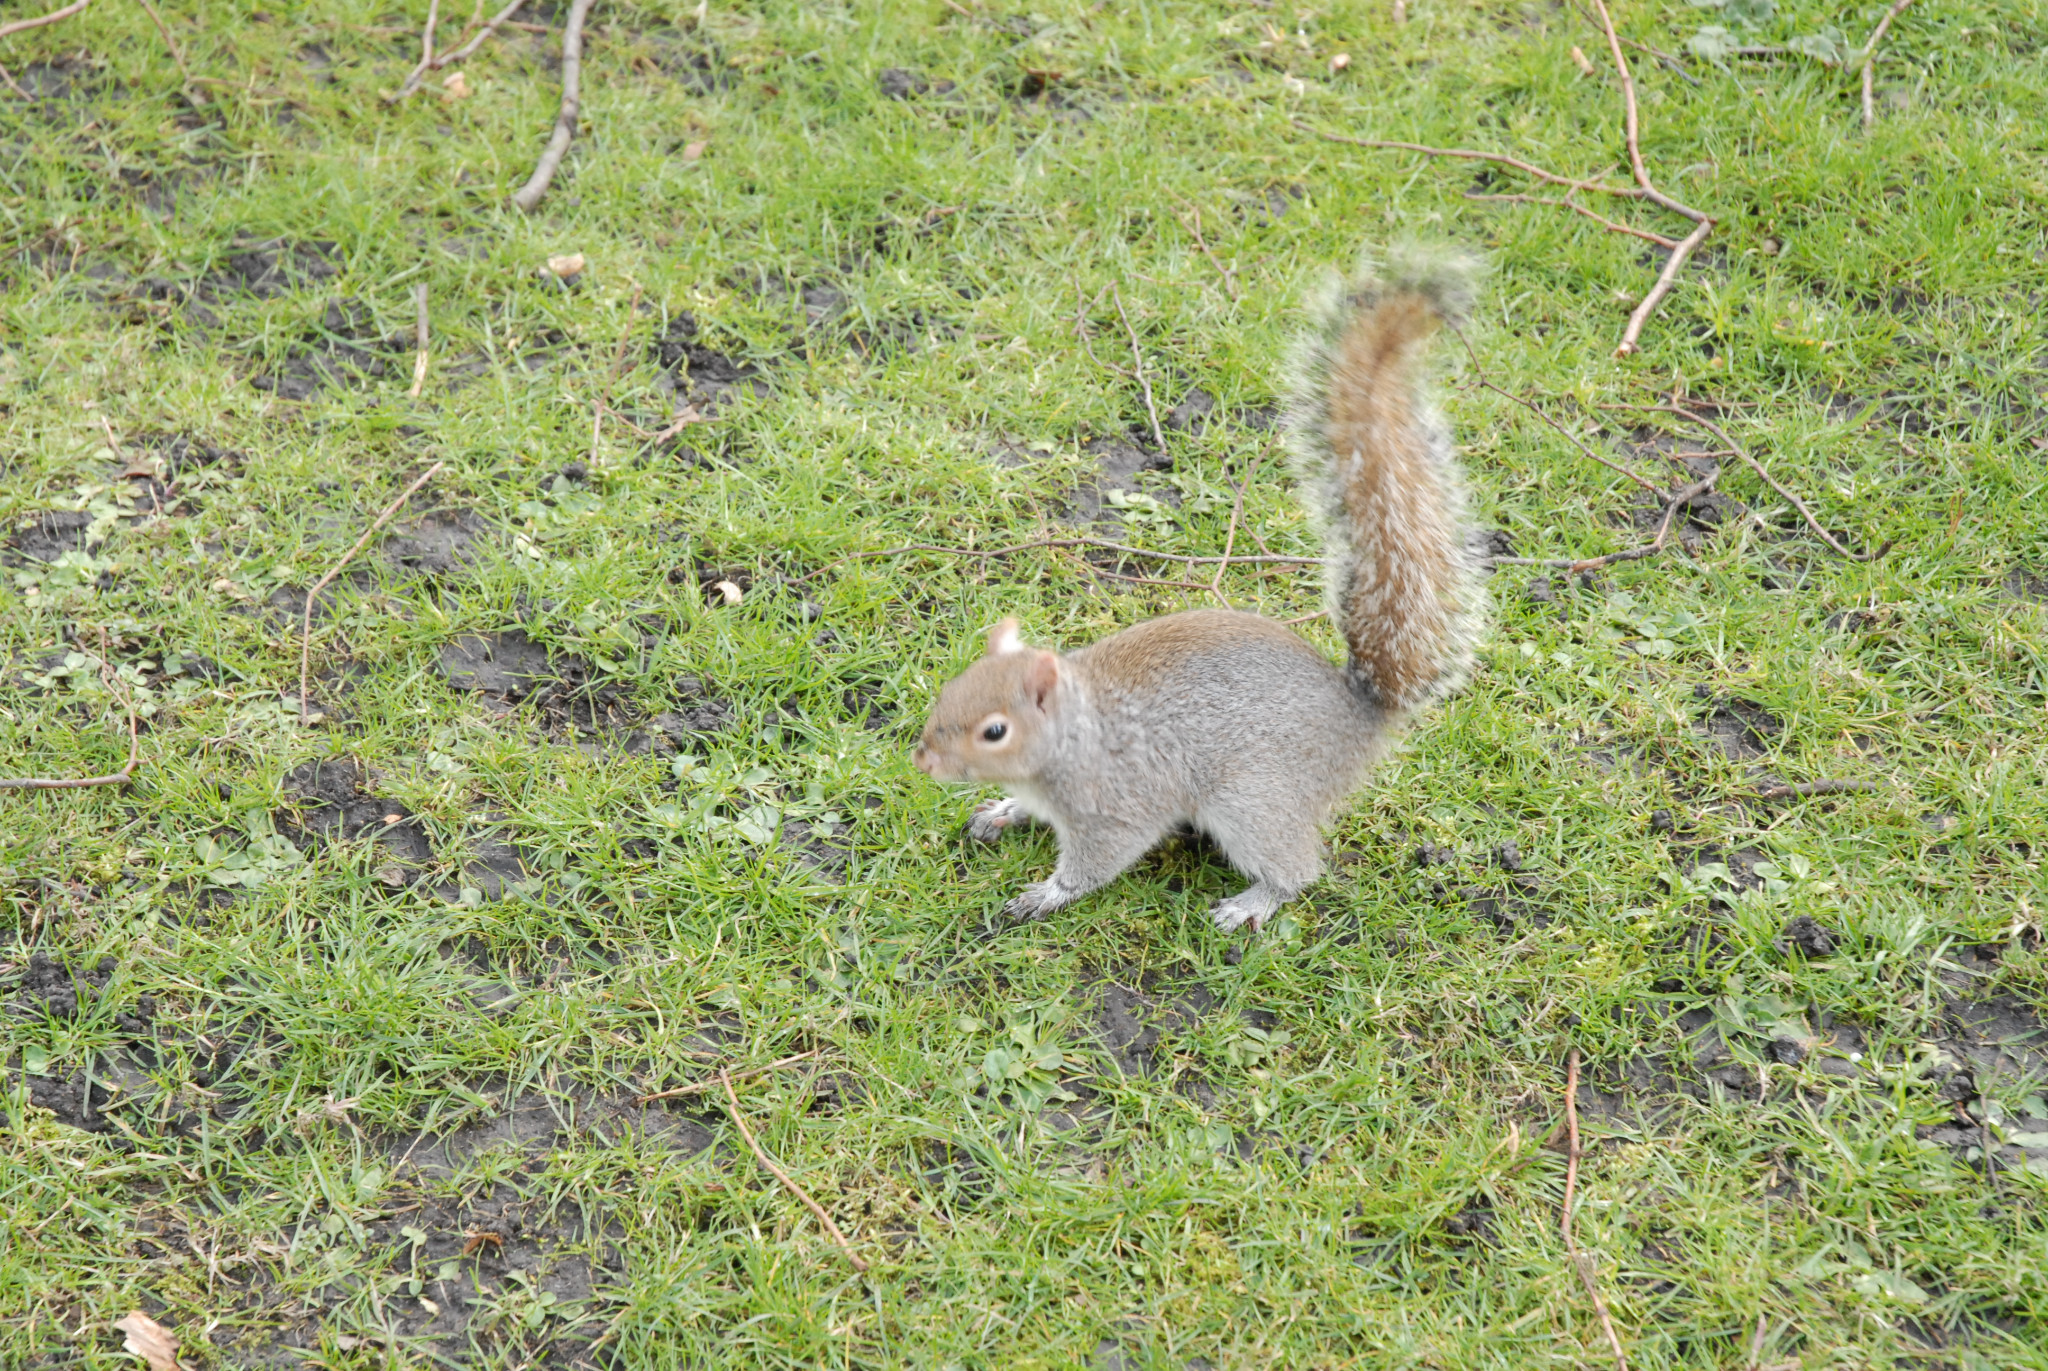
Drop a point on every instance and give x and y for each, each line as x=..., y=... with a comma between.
x=325, y=1040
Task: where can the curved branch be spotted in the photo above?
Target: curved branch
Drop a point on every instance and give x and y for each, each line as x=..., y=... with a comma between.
x=23, y=25
x=536, y=185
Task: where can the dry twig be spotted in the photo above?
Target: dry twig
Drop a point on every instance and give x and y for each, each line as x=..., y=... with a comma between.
x=740, y=1122
x=436, y=61
x=1230, y=538
x=1566, y=202
x=1185, y=559
x=1082, y=304
x=1229, y=276
x=1806, y=788
x=419, y=361
x=121, y=777
x=1758, y=467
x=1643, y=189
x=712, y=1082
x=306, y=627
x=1138, y=361
x=23, y=25
x=1870, y=60
x=1703, y=225
x=177, y=57
x=529, y=195
x=1571, y=1179
x=426, y=62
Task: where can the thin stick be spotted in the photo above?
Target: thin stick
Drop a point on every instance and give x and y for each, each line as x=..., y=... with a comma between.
x=1576, y=208
x=536, y=186
x=1124, y=548
x=15, y=86
x=1236, y=509
x=419, y=361
x=1480, y=369
x=1758, y=467
x=23, y=25
x=1138, y=361
x=1229, y=276
x=426, y=62
x=169, y=42
x=1870, y=58
x=1082, y=304
x=1634, y=554
x=739, y=1121
x=1632, y=123
x=1665, y=280
x=440, y=60
x=1756, y=1341
x=306, y=628
x=1571, y=1180
x=1805, y=788
x=709, y=1082
x=121, y=777
x=1469, y=155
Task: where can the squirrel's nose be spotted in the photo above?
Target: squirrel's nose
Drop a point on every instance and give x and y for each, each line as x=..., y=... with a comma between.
x=922, y=760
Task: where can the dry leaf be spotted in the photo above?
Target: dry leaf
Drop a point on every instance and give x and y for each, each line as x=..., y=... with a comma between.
x=731, y=592
x=692, y=151
x=1584, y=63
x=455, y=87
x=149, y=1340
x=688, y=415
x=567, y=266
x=1340, y=61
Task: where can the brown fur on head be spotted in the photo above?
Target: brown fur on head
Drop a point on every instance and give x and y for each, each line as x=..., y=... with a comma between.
x=990, y=721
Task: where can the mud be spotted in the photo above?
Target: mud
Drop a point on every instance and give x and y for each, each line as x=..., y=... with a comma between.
x=1120, y=465
x=1742, y=729
x=439, y=543
x=50, y=535
x=344, y=349
x=330, y=804
x=700, y=374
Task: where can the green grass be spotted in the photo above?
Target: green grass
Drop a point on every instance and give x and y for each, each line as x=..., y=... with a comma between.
x=1319, y=1167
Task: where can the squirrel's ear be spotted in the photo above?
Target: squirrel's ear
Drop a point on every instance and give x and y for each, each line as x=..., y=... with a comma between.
x=1041, y=677
x=1004, y=637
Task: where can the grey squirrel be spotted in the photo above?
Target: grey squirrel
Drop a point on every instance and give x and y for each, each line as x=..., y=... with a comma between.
x=1226, y=721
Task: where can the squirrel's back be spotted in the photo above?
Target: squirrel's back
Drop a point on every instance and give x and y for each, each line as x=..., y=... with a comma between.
x=1383, y=480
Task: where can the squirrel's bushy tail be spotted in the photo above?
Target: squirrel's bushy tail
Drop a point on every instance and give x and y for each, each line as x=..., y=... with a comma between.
x=1383, y=479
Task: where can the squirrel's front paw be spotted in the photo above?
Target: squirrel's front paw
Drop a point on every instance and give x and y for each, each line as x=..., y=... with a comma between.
x=989, y=820
x=1036, y=900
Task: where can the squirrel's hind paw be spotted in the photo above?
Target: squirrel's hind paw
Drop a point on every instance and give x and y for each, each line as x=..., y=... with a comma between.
x=1037, y=900
x=1253, y=905
x=989, y=820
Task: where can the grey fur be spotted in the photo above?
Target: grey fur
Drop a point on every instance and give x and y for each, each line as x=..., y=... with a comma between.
x=1223, y=721
x=1187, y=752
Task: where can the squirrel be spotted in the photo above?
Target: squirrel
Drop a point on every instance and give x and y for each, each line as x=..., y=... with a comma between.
x=1225, y=721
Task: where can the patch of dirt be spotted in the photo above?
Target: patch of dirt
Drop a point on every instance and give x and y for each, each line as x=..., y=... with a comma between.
x=2021, y=583
x=50, y=535
x=272, y=267
x=901, y=83
x=1131, y=1020
x=53, y=990
x=1268, y=205
x=345, y=348
x=509, y=668
x=697, y=66
x=698, y=712
x=438, y=543
x=1120, y=466
x=495, y=862
x=330, y=804
x=702, y=375
x=1742, y=729
x=821, y=848
x=1195, y=412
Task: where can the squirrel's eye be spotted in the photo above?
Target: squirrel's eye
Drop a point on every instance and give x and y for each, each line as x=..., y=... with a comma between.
x=995, y=732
